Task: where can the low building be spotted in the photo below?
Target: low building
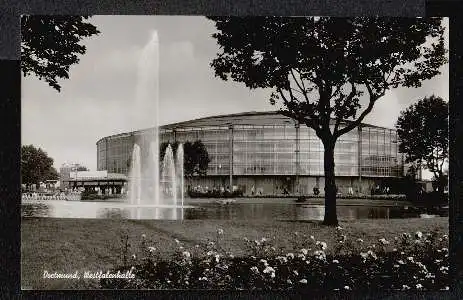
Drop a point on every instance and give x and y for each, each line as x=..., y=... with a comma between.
x=65, y=172
x=107, y=183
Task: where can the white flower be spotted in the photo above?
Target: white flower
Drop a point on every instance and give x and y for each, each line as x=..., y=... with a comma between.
x=410, y=258
x=291, y=255
x=143, y=236
x=270, y=270
x=445, y=236
x=209, y=253
x=264, y=262
x=395, y=249
x=197, y=246
x=186, y=254
x=419, y=286
x=288, y=281
x=405, y=287
x=282, y=259
x=384, y=241
x=418, y=234
x=372, y=254
x=295, y=272
x=134, y=256
x=151, y=249
x=177, y=241
x=396, y=266
x=220, y=231
x=360, y=240
x=303, y=281
x=338, y=228
x=312, y=237
x=304, y=251
x=217, y=258
x=320, y=254
x=346, y=287
x=263, y=240
x=401, y=262
x=322, y=245
x=335, y=261
x=255, y=269
x=363, y=255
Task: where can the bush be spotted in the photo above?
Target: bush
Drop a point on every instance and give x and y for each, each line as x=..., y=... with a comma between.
x=416, y=261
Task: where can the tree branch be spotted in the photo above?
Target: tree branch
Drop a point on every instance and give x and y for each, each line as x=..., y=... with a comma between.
x=303, y=91
x=354, y=124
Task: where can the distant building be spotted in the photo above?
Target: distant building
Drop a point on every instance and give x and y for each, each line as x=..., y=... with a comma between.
x=268, y=153
x=65, y=172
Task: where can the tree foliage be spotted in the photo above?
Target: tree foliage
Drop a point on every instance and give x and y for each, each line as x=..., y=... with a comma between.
x=318, y=68
x=36, y=166
x=423, y=132
x=50, y=45
x=196, y=157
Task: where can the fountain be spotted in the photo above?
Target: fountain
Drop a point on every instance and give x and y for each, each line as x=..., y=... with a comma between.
x=180, y=173
x=135, y=177
x=146, y=181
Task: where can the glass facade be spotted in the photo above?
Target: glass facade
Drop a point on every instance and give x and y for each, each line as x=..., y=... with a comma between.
x=270, y=149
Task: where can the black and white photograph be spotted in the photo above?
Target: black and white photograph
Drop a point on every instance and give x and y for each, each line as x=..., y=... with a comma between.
x=234, y=153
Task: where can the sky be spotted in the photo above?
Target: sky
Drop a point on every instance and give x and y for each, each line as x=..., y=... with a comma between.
x=94, y=102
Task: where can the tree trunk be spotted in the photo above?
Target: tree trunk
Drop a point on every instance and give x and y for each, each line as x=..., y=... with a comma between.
x=331, y=217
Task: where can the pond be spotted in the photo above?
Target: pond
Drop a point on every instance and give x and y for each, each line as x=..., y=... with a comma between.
x=207, y=209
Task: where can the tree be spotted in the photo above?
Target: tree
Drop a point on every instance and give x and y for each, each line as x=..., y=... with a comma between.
x=318, y=68
x=50, y=45
x=196, y=157
x=36, y=166
x=423, y=133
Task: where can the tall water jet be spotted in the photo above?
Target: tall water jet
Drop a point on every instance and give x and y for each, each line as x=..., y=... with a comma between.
x=145, y=114
x=180, y=172
x=169, y=180
x=135, y=177
x=146, y=180
x=155, y=171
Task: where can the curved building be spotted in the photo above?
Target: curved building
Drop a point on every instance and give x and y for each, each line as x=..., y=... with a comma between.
x=269, y=153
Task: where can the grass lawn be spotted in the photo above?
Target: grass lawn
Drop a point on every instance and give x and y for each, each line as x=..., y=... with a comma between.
x=70, y=245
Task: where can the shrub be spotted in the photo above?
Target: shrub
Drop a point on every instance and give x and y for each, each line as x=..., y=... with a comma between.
x=416, y=261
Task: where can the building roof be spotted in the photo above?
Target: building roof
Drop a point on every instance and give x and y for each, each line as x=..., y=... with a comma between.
x=109, y=177
x=245, y=118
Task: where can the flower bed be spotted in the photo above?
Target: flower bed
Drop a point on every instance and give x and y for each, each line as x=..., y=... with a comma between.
x=416, y=261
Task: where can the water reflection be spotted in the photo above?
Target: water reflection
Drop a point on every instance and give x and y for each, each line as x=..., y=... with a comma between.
x=212, y=211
